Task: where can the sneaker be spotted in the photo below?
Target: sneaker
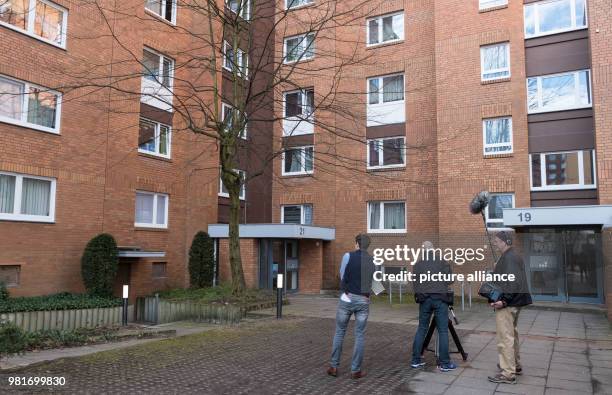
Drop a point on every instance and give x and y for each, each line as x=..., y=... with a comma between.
x=417, y=364
x=519, y=370
x=500, y=378
x=447, y=367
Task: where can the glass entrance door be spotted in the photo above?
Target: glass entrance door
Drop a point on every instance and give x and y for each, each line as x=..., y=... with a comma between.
x=565, y=264
x=278, y=256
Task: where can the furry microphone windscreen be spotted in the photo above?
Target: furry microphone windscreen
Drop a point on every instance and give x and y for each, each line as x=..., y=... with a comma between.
x=479, y=202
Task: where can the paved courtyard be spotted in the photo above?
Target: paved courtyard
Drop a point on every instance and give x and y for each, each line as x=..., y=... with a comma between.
x=563, y=353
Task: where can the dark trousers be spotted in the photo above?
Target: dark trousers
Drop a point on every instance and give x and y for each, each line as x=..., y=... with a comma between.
x=440, y=311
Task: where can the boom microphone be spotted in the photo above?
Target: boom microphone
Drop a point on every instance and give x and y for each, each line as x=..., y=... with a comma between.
x=479, y=202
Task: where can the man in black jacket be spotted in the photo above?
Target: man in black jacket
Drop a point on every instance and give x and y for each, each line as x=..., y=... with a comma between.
x=515, y=295
x=433, y=297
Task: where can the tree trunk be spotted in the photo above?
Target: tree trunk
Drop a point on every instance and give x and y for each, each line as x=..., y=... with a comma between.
x=238, y=284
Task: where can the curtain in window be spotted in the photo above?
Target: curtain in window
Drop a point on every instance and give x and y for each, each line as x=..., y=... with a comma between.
x=167, y=72
x=308, y=154
x=293, y=161
x=150, y=65
x=393, y=27
x=154, y=5
x=35, y=196
x=373, y=31
x=15, y=12
x=374, y=152
x=7, y=193
x=497, y=205
x=393, y=152
x=144, y=208
x=292, y=104
x=309, y=46
x=11, y=98
x=495, y=57
x=48, y=22
x=307, y=214
x=146, y=135
x=161, y=209
x=293, y=45
x=164, y=139
x=373, y=89
x=308, y=107
x=374, y=215
x=393, y=88
x=581, y=13
x=498, y=130
x=394, y=216
x=41, y=108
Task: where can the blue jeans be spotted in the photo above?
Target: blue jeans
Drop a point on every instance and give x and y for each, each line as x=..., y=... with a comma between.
x=440, y=311
x=360, y=306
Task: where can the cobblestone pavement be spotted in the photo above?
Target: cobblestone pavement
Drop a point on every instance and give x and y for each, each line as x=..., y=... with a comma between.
x=562, y=353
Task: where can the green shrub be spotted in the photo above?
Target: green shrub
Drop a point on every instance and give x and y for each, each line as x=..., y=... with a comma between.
x=201, y=261
x=62, y=301
x=99, y=265
x=4, y=293
x=13, y=339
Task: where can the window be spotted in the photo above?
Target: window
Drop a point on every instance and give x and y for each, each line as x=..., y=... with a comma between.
x=158, y=270
x=494, y=61
x=9, y=275
x=151, y=210
x=298, y=160
x=41, y=19
x=299, y=48
x=557, y=92
x=385, y=89
x=563, y=170
x=556, y=16
x=494, y=212
x=231, y=62
x=297, y=214
x=164, y=8
x=243, y=8
x=27, y=198
x=386, y=28
x=29, y=105
x=497, y=135
x=486, y=4
x=157, y=68
x=223, y=192
x=154, y=138
x=386, y=152
x=386, y=217
x=227, y=116
x=385, y=100
x=297, y=3
x=299, y=107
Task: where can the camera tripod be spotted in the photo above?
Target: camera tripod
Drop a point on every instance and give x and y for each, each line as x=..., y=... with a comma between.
x=452, y=331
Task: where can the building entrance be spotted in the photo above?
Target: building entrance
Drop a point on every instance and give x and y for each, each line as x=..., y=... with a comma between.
x=278, y=256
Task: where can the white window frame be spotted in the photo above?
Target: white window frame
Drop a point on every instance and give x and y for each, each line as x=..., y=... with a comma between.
x=576, y=87
x=543, y=176
x=244, y=133
x=302, y=212
x=496, y=220
x=163, y=8
x=495, y=145
x=307, y=3
x=304, y=94
x=303, y=46
x=536, y=15
x=158, y=126
x=482, y=4
x=242, y=195
x=380, y=93
x=381, y=156
x=503, y=69
x=159, y=79
x=16, y=215
x=380, y=29
x=303, y=170
x=245, y=9
x=24, y=107
x=31, y=20
x=155, y=199
x=382, y=216
x=241, y=61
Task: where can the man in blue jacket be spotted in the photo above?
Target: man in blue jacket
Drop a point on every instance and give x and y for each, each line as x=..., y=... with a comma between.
x=356, y=273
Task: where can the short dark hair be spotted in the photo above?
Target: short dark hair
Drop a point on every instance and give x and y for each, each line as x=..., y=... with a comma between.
x=363, y=241
x=505, y=237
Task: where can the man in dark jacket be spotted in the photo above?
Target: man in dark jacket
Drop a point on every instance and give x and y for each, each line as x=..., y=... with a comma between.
x=515, y=295
x=433, y=297
x=356, y=273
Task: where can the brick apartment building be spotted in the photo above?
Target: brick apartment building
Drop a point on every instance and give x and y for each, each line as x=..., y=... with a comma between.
x=451, y=97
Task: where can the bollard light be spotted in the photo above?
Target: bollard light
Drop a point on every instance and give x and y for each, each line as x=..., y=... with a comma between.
x=279, y=296
x=126, y=293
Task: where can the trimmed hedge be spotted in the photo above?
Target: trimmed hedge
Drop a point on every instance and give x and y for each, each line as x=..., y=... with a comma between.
x=61, y=301
x=201, y=261
x=99, y=265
